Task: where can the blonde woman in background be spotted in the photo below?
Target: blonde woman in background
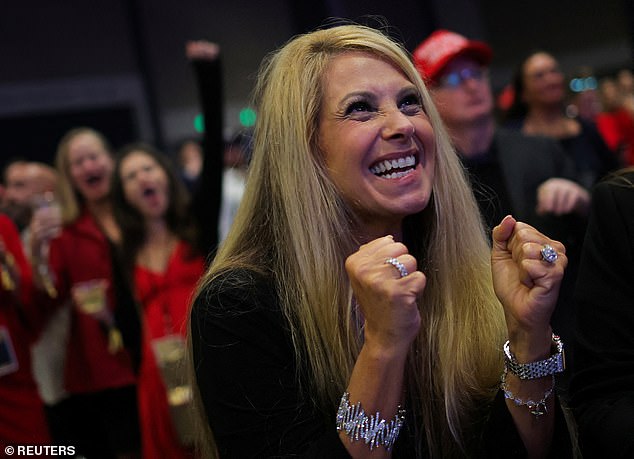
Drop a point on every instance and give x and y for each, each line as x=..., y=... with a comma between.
x=99, y=372
x=355, y=286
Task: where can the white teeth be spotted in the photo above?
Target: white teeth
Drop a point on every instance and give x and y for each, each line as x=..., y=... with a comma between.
x=388, y=165
x=399, y=174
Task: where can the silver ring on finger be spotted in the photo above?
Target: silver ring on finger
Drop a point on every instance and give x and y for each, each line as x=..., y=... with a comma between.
x=400, y=267
x=549, y=254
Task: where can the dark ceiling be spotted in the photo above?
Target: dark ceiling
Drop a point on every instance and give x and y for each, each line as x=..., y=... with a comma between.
x=76, y=55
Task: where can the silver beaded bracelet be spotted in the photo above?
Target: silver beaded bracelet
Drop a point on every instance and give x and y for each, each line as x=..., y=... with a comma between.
x=373, y=430
x=538, y=408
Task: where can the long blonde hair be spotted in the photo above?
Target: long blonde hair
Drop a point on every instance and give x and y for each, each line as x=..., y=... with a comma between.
x=293, y=224
x=71, y=201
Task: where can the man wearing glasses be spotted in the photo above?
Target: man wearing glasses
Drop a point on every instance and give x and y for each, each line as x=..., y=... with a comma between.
x=511, y=173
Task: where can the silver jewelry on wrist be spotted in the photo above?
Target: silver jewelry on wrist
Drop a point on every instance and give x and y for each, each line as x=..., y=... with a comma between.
x=554, y=364
x=538, y=408
x=372, y=429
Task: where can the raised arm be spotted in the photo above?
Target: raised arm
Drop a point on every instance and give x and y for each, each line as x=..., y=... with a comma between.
x=386, y=286
x=205, y=59
x=527, y=271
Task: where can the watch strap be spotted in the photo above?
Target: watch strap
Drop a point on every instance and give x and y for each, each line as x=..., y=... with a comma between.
x=553, y=364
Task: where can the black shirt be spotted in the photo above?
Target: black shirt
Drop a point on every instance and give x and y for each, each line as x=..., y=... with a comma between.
x=489, y=186
x=248, y=381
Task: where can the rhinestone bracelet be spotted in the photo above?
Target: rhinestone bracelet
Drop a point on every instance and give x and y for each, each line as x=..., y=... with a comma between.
x=373, y=430
x=538, y=408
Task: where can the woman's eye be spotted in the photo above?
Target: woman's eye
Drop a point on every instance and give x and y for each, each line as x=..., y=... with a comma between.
x=358, y=107
x=411, y=104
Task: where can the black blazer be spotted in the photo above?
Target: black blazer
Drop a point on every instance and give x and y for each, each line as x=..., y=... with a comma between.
x=527, y=162
x=602, y=386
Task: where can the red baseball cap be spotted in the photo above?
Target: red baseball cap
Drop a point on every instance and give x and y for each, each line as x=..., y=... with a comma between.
x=433, y=54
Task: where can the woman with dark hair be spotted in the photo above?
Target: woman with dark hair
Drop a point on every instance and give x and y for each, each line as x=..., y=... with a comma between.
x=129, y=209
x=161, y=265
x=538, y=108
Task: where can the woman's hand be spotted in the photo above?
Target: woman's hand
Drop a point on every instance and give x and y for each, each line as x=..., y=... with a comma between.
x=201, y=50
x=387, y=300
x=46, y=224
x=527, y=285
x=560, y=196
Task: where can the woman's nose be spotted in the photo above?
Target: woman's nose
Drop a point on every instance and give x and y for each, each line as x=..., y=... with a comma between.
x=398, y=125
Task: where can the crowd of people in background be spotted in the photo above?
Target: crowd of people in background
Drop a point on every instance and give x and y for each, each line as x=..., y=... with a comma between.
x=103, y=251
x=101, y=254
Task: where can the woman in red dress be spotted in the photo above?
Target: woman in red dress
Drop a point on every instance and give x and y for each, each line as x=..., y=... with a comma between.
x=159, y=259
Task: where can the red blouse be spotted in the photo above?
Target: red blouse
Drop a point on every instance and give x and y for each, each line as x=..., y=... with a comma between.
x=165, y=299
x=82, y=253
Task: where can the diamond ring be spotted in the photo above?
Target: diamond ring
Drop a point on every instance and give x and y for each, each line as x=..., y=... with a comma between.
x=549, y=254
x=398, y=265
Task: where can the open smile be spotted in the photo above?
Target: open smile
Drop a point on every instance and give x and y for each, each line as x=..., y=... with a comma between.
x=93, y=179
x=149, y=192
x=395, y=168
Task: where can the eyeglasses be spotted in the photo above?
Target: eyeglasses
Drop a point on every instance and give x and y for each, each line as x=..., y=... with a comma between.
x=455, y=79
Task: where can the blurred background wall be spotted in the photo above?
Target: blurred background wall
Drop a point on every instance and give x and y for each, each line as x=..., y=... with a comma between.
x=120, y=66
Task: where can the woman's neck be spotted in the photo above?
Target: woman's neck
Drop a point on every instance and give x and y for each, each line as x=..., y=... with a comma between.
x=101, y=211
x=374, y=231
x=159, y=244
x=157, y=232
x=545, y=113
x=549, y=121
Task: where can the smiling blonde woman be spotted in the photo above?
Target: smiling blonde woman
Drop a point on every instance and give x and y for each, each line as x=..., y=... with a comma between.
x=351, y=310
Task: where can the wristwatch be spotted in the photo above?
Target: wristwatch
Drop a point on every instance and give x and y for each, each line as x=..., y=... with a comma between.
x=556, y=363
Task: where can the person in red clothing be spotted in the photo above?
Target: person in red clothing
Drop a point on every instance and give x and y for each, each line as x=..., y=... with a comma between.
x=22, y=419
x=158, y=255
x=616, y=121
x=99, y=373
